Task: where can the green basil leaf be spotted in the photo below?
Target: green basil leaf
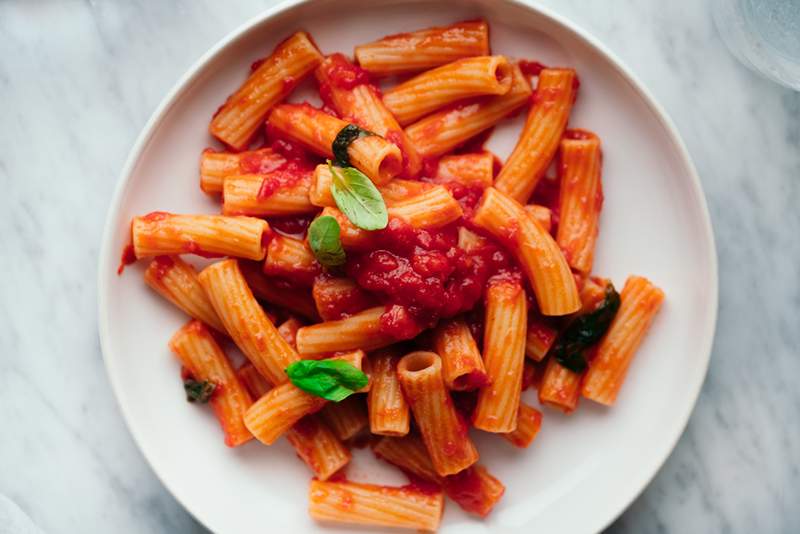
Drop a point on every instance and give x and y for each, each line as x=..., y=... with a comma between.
x=198, y=391
x=584, y=331
x=358, y=198
x=334, y=380
x=341, y=143
x=325, y=242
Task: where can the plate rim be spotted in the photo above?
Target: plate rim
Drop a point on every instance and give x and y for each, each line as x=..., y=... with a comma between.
x=190, y=77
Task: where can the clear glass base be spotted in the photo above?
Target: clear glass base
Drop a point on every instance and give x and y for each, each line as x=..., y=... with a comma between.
x=764, y=35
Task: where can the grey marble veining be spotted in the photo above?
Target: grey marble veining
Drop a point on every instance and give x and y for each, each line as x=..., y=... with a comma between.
x=79, y=80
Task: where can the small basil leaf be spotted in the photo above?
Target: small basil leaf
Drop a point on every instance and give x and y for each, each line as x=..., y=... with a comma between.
x=198, y=391
x=584, y=331
x=324, y=238
x=358, y=198
x=341, y=143
x=334, y=380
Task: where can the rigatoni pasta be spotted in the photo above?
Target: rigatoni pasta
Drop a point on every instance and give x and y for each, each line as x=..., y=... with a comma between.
x=347, y=89
x=236, y=121
x=641, y=301
x=177, y=281
x=396, y=287
x=529, y=421
x=444, y=433
x=388, y=410
x=163, y=234
x=537, y=252
x=504, y=355
x=313, y=442
x=282, y=406
x=369, y=504
x=200, y=354
x=462, y=364
x=376, y=157
x=246, y=194
x=536, y=146
x=361, y=330
x=441, y=132
x=245, y=321
x=580, y=200
x=433, y=89
x=215, y=166
x=422, y=49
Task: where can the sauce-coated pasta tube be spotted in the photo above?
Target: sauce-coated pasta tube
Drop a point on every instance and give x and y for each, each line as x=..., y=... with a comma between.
x=337, y=298
x=542, y=215
x=538, y=142
x=295, y=299
x=504, y=356
x=388, y=409
x=216, y=166
x=346, y=418
x=540, y=338
x=291, y=258
x=163, y=234
x=535, y=249
x=359, y=331
x=275, y=413
x=432, y=209
x=462, y=364
x=423, y=49
x=247, y=195
x=318, y=446
x=474, y=489
x=197, y=351
x=392, y=192
x=442, y=131
x=409, y=454
x=471, y=170
x=641, y=301
x=376, y=157
x=436, y=88
x=277, y=76
x=176, y=281
x=580, y=200
x=347, y=89
x=560, y=387
x=444, y=433
x=312, y=440
x=246, y=322
x=369, y=504
x=529, y=421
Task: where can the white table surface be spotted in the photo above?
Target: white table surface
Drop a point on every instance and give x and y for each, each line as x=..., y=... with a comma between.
x=79, y=80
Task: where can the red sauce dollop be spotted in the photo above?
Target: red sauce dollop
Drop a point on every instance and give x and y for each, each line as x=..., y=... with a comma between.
x=128, y=257
x=423, y=275
x=531, y=68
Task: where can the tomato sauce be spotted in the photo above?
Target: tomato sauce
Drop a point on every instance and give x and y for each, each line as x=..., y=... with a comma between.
x=128, y=257
x=163, y=265
x=422, y=275
x=531, y=68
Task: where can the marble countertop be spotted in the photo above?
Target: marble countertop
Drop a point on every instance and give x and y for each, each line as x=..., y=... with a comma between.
x=79, y=80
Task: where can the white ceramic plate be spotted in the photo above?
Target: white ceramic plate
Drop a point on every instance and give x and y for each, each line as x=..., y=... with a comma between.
x=583, y=470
